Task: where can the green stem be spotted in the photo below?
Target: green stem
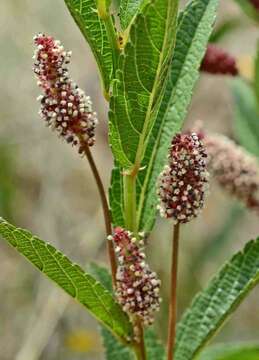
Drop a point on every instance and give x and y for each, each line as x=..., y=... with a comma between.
x=130, y=202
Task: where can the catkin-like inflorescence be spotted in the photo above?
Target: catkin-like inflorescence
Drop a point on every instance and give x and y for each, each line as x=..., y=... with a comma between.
x=255, y=4
x=64, y=106
x=234, y=168
x=137, y=287
x=218, y=61
x=183, y=183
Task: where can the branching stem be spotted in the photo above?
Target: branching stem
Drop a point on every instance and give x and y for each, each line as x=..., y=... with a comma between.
x=173, y=294
x=106, y=211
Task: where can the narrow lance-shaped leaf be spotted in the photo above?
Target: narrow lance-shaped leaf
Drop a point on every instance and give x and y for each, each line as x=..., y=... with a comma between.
x=128, y=8
x=214, y=305
x=240, y=351
x=246, y=118
x=140, y=80
x=92, y=27
x=70, y=277
x=194, y=29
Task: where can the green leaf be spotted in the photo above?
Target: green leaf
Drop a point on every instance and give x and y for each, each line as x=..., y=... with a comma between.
x=241, y=351
x=194, y=29
x=214, y=305
x=248, y=9
x=70, y=277
x=223, y=29
x=115, y=350
x=128, y=8
x=140, y=80
x=116, y=198
x=246, y=124
x=92, y=27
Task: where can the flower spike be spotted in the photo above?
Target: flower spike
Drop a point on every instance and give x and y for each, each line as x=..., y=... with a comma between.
x=64, y=106
x=137, y=287
x=184, y=181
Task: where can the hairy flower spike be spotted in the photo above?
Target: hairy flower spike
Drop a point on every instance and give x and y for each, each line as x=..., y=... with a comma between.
x=137, y=287
x=64, y=106
x=184, y=181
x=218, y=61
x=236, y=170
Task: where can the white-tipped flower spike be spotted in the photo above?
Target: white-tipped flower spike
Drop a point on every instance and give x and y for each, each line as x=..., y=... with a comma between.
x=183, y=183
x=137, y=287
x=64, y=106
x=234, y=168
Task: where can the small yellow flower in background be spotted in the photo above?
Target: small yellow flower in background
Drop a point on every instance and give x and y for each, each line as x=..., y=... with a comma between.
x=83, y=341
x=245, y=65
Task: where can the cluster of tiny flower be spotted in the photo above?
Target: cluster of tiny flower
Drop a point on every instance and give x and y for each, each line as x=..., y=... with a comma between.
x=255, y=3
x=137, y=287
x=218, y=61
x=64, y=106
x=184, y=181
x=235, y=170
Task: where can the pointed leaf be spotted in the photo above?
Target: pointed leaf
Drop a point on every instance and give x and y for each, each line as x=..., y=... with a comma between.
x=85, y=15
x=194, y=29
x=139, y=85
x=214, y=305
x=128, y=8
x=70, y=277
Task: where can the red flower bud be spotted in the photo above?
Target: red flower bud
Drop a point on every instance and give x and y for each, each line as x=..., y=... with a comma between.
x=64, y=106
x=255, y=4
x=218, y=61
x=184, y=181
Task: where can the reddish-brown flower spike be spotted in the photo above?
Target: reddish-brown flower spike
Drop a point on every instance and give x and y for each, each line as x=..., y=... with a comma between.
x=255, y=4
x=137, y=287
x=64, y=106
x=218, y=61
x=184, y=181
x=236, y=170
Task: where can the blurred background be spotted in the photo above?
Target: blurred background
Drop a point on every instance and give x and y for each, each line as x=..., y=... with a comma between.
x=46, y=187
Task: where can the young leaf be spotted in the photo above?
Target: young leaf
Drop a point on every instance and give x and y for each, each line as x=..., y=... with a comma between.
x=246, y=124
x=224, y=28
x=128, y=8
x=70, y=277
x=241, y=351
x=143, y=67
x=85, y=15
x=194, y=29
x=113, y=349
x=213, y=306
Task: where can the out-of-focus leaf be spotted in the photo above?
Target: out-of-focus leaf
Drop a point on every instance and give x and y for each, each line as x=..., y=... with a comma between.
x=241, y=351
x=223, y=29
x=70, y=277
x=246, y=122
x=92, y=27
x=248, y=9
x=214, y=305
